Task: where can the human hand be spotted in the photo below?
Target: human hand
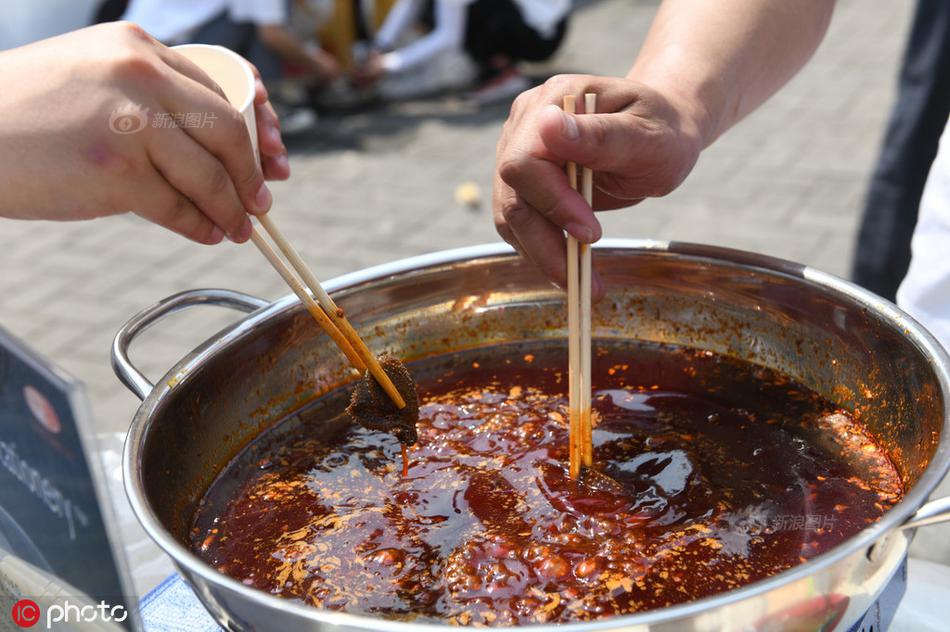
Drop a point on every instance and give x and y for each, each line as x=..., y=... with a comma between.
x=370, y=71
x=642, y=145
x=79, y=137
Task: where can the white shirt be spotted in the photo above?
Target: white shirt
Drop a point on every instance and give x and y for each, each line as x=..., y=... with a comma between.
x=449, y=33
x=544, y=15
x=173, y=21
x=925, y=292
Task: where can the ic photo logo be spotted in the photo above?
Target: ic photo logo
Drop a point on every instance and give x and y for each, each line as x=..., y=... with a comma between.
x=26, y=613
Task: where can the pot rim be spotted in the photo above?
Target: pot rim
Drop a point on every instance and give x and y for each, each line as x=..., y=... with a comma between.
x=890, y=521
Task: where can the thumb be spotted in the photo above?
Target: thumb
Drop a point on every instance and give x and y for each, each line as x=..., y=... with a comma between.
x=599, y=141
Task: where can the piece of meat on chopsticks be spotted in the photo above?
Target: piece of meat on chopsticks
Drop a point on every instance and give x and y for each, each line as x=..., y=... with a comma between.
x=372, y=408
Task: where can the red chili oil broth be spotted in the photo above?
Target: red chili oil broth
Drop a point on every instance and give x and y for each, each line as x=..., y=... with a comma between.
x=711, y=473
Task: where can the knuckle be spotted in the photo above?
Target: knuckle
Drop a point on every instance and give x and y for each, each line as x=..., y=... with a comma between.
x=516, y=214
x=235, y=136
x=552, y=212
x=522, y=100
x=510, y=169
x=218, y=181
x=135, y=65
x=599, y=130
x=218, y=90
x=559, y=85
x=132, y=31
x=174, y=212
x=235, y=122
x=251, y=179
x=498, y=218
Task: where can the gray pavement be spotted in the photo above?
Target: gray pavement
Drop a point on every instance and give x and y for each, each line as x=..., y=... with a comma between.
x=378, y=186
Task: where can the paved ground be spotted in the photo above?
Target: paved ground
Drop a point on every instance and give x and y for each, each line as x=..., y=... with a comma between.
x=379, y=185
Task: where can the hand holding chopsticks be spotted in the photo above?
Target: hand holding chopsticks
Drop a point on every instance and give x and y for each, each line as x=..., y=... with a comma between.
x=324, y=310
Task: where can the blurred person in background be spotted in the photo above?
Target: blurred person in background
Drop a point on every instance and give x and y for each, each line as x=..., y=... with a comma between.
x=882, y=254
x=277, y=36
x=470, y=40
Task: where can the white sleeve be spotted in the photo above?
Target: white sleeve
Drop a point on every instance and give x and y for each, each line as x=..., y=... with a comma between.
x=400, y=17
x=259, y=12
x=447, y=35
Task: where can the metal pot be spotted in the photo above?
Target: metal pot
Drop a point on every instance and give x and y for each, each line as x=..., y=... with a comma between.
x=843, y=342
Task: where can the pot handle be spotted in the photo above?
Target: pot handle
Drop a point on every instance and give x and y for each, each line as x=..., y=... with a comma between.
x=934, y=512
x=122, y=365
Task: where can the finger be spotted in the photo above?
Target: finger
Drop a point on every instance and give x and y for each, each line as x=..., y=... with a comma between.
x=544, y=186
x=603, y=142
x=607, y=196
x=260, y=92
x=276, y=168
x=226, y=137
x=169, y=208
x=268, y=130
x=505, y=198
x=597, y=291
x=274, y=161
x=200, y=177
x=501, y=191
x=542, y=242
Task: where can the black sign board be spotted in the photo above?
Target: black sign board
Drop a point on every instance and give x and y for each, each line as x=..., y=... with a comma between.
x=55, y=514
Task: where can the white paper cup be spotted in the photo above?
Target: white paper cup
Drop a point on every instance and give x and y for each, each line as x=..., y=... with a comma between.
x=230, y=71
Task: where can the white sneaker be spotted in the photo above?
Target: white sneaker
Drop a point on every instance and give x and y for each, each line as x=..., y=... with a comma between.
x=448, y=72
x=294, y=119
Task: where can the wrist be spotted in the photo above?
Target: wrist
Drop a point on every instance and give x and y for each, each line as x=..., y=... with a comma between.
x=696, y=91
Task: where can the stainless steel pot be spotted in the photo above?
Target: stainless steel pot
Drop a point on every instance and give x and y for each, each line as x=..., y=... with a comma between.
x=849, y=345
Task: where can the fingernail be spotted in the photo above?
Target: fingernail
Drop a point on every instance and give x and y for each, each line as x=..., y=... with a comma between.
x=263, y=199
x=580, y=232
x=571, y=132
x=274, y=134
x=216, y=235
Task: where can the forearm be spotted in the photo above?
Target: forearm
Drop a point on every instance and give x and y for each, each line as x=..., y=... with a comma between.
x=723, y=59
x=403, y=14
x=447, y=35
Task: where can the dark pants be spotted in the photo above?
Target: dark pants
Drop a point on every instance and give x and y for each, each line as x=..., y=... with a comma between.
x=920, y=115
x=496, y=28
x=241, y=37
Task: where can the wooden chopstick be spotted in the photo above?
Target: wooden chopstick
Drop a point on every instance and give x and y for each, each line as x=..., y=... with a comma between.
x=324, y=310
x=587, y=190
x=301, y=292
x=575, y=452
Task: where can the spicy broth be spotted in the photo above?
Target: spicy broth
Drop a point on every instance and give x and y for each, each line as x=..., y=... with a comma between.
x=714, y=473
